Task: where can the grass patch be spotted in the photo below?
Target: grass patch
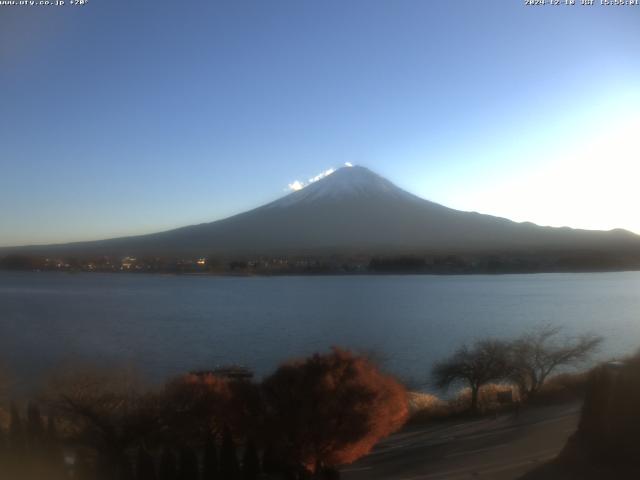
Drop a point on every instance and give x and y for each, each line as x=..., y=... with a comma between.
x=562, y=388
x=424, y=407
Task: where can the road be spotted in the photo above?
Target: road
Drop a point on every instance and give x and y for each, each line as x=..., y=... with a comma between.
x=499, y=448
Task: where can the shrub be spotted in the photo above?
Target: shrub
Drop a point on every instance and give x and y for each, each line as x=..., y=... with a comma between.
x=332, y=409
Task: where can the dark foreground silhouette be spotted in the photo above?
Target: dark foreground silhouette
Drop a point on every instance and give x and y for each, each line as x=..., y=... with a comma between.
x=605, y=445
x=310, y=417
x=301, y=422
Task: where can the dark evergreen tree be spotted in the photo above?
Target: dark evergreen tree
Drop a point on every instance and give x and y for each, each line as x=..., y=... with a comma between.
x=210, y=460
x=290, y=473
x=270, y=461
x=145, y=468
x=83, y=469
x=52, y=447
x=16, y=431
x=125, y=469
x=168, y=469
x=250, y=462
x=3, y=451
x=229, y=469
x=52, y=429
x=35, y=428
x=106, y=467
x=188, y=464
x=331, y=473
x=327, y=473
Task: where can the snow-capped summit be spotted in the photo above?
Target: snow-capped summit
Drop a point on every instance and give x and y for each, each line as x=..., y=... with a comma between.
x=348, y=182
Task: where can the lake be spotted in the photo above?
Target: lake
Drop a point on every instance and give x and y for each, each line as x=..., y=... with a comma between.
x=164, y=325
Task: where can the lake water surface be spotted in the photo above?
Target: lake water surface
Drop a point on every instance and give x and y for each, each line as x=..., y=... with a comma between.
x=165, y=325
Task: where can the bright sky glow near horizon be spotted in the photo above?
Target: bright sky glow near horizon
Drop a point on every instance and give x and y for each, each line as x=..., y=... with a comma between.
x=123, y=117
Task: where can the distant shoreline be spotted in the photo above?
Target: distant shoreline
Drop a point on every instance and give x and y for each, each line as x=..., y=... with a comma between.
x=324, y=274
x=334, y=263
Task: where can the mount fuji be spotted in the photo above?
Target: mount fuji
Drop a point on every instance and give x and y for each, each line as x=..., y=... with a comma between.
x=355, y=211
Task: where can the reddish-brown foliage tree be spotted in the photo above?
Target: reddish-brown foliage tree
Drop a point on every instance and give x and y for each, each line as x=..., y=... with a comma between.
x=195, y=406
x=332, y=409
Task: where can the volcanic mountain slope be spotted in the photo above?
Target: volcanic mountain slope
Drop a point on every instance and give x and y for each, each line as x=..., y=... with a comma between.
x=355, y=210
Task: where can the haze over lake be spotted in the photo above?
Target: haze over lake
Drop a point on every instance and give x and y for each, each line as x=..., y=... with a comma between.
x=166, y=325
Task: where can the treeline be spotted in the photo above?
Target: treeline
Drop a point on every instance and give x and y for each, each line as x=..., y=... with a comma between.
x=303, y=421
x=149, y=264
x=588, y=261
x=201, y=265
x=505, y=263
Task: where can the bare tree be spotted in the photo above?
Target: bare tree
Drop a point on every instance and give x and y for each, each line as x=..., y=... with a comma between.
x=106, y=412
x=485, y=361
x=535, y=355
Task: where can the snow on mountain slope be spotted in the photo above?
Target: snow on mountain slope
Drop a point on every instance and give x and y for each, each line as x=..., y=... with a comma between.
x=344, y=184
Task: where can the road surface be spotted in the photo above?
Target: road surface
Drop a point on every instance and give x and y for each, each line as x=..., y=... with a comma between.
x=499, y=448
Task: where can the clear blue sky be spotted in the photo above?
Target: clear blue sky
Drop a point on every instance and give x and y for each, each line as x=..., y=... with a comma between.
x=124, y=117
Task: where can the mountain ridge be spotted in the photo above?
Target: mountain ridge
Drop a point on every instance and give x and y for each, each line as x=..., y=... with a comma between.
x=351, y=210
